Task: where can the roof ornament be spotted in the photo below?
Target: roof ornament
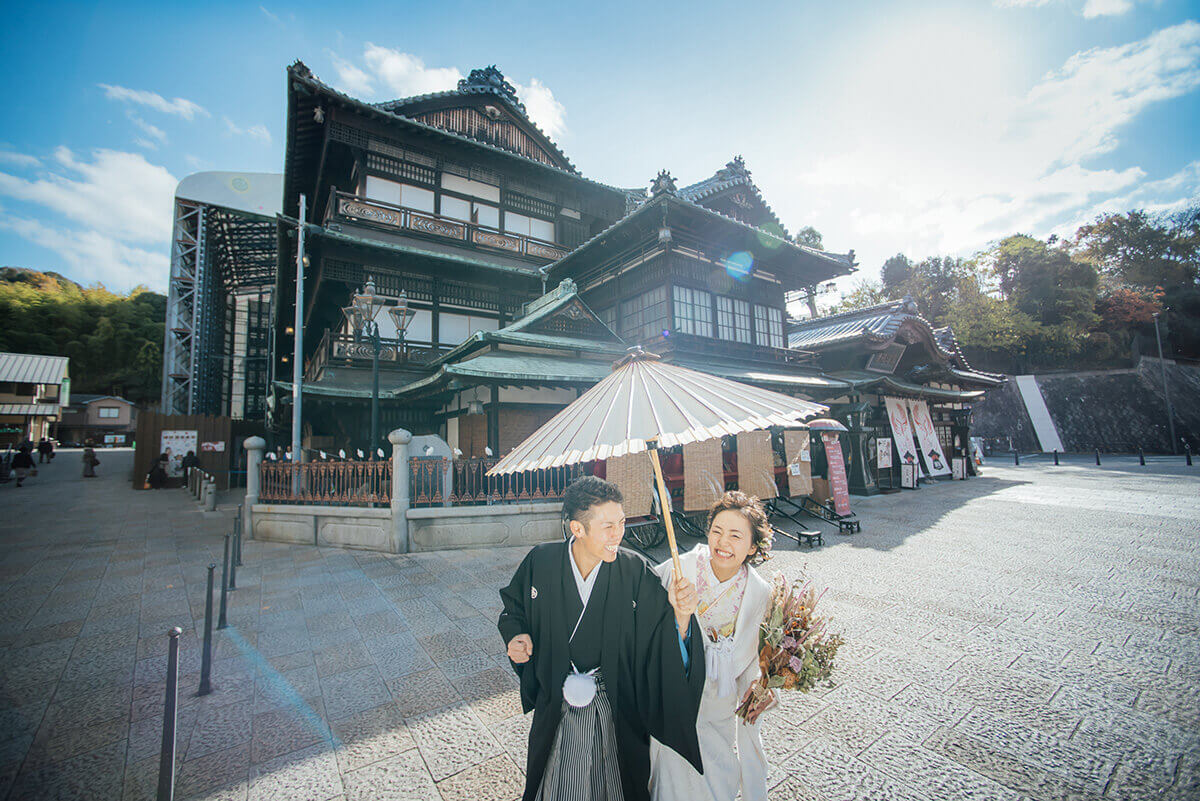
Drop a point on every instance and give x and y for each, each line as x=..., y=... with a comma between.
x=301, y=69
x=734, y=169
x=663, y=184
x=909, y=305
x=490, y=79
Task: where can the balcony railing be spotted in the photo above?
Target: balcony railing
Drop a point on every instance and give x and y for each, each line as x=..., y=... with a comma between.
x=471, y=485
x=387, y=215
x=326, y=483
x=344, y=350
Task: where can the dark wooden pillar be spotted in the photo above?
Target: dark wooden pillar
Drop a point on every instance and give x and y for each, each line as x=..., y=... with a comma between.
x=493, y=421
x=434, y=325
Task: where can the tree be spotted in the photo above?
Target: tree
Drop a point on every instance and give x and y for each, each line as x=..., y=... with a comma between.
x=810, y=236
x=864, y=293
x=1046, y=282
x=1138, y=250
x=895, y=274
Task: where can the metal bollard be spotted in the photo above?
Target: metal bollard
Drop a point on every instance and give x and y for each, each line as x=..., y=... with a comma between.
x=1016, y=457
x=1056, y=457
x=1141, y=457
x=1097, y=457
x=222, y=622
x=232, y=538
x=1187, y=452
x=166, y=757
x=238, y=529
x=206, y=654
x=210, y=495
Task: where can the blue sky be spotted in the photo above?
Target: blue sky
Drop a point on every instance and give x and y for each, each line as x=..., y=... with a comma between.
x=917, y=127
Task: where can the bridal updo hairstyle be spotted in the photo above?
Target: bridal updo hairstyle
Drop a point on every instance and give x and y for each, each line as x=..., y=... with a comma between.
x=752, y=509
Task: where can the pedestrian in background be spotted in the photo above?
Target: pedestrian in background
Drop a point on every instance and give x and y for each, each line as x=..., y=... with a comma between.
x=45, y=450
x=22, y=464
x=89, y=460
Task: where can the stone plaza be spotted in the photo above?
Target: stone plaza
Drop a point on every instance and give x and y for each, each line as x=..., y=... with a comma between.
x=1032, y=633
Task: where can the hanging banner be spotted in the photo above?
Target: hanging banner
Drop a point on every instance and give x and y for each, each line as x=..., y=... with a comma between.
x=838, y=486
x=931, y=448
x=901, y=429
x=883, y=453
x=175, y=444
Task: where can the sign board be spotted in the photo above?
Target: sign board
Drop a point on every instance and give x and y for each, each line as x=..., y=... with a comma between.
x=114, y=439
x=883, y=453
x=959, y=466
x=175, y=443
x=908, y=476
x=838, y=485
x=885, y=361
x=931, y=447
x=902, y=429
x=212, y=447
x=798, y=452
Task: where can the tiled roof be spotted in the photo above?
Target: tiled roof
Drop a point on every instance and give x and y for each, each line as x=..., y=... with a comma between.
x=732, y=174
x=26, y=368
x=31, y=409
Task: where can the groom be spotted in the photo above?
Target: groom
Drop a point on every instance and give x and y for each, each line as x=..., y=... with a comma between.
x=605, y=655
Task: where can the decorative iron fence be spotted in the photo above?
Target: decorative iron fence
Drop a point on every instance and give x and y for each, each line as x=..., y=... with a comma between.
x=326, y=483
x=471, y=485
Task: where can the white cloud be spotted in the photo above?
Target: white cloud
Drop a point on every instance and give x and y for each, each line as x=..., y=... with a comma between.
x=945, y=161
x=273, y=17
x=93, y=256
x=156, y=135
x=1091, y=9
x=258, y=132
x=19, y=159
x=351, y=79
x=1020, y=3
x=118, y=193
x=178, y=107
x=543, y=108
x=404, y=74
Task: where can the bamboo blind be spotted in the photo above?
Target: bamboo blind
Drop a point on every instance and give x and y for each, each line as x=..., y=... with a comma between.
x=703, y=475
x=756, y=464
x=795, y=443
x=632, y=475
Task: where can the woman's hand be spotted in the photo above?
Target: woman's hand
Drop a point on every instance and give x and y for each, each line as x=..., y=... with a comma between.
x=682, y=596
x=752, y=714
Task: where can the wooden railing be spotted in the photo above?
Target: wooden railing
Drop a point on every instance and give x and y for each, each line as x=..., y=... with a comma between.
x=377, y=212
x=471, y=484
x=344, y=349
x=326, y=483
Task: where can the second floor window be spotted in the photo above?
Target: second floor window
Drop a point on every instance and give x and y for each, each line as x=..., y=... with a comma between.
x=733, y=319
x=398, y=194
x=768, y=326
x=109, y=412
x=644, y=317
x=693, y=311
x=525, y=225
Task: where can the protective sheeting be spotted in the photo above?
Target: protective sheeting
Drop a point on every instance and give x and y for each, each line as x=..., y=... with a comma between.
x=644, y=398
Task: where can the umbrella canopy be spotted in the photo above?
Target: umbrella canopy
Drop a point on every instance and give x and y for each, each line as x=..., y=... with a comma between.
x=826, y=424
x=643, y=399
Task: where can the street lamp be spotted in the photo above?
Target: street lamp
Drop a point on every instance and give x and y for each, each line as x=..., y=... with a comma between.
x=360, y=314
x=1162, y=366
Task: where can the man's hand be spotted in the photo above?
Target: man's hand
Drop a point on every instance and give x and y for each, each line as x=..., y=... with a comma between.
x=683, y=598
x=520, y=648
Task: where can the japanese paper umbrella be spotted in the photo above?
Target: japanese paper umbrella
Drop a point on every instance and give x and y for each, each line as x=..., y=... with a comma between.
x=646, y=404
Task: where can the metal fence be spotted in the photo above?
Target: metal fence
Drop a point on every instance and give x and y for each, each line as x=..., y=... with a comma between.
x=472, y=486
x=326, y=483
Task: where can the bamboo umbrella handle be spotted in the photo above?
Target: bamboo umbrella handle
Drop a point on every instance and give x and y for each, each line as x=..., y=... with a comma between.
x=664, y=503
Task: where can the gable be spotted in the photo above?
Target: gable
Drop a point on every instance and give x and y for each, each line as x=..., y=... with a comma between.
x=741, y=202
x=572, y=319
x=490, y=124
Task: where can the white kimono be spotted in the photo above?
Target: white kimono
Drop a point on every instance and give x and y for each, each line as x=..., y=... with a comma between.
x=725, y=770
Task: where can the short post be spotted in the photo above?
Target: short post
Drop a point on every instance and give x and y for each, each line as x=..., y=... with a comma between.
x=1056, y=457
x=401, y=480
x=1187, y=453
x=233, y=543
x=210, y=494
x=1016, y=458
x=166, y=757
x=222, y=622
x=254, y=455
x=206, y=653
x=1141, y=457
x=1097, y=457
x=237, y=527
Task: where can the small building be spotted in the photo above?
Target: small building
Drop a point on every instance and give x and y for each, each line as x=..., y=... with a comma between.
x=106, y=420
x=33, y=390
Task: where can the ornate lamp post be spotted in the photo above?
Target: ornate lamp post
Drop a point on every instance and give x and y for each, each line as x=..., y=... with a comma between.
x=360, y=314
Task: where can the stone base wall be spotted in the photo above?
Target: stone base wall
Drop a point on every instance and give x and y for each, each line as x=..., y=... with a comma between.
x=444, y=528
x=331, y=526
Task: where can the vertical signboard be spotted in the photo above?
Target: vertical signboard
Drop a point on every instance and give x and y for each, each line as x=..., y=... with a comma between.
x=902, y=430
x=927, y=436
x=883, y=453
x=838, y=486
x=175, y=444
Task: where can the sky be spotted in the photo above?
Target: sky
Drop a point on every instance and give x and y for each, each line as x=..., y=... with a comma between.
x=925, y=128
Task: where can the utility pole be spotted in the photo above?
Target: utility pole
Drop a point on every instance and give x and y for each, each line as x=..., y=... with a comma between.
x=298, y=338
x=1162, y=366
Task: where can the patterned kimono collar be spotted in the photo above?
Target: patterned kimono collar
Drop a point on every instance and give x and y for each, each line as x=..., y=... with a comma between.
x=719, y=600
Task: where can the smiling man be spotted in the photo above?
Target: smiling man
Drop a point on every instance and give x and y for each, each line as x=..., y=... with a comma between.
x=606, y=657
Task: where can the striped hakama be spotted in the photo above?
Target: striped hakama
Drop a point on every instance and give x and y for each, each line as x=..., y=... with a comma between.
x=583, y=761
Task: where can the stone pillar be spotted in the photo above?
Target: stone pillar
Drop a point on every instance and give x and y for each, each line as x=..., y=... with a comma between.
x=401, y=480
x=254, y=454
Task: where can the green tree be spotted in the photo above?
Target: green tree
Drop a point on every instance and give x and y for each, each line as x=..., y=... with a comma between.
x=810, y=236
x=1139, y=250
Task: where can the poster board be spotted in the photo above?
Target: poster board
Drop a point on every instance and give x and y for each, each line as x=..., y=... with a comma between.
x=756, y=464
x=175, y=443
x=703, y=475
x=883, y=453
x=798, y=452
x=839, y=488
x=931, y=447
x=908, y=476
x=902, y=430
x=959, y=467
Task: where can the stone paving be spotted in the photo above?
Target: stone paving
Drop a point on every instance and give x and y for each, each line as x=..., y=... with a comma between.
x=1032, y=633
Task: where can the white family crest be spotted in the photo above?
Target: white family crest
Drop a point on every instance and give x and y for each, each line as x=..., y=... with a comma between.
x=532, y=592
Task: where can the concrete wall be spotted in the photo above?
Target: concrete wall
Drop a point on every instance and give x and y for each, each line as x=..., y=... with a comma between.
x=433, y=529
x=437, y=529
x=1109, y=410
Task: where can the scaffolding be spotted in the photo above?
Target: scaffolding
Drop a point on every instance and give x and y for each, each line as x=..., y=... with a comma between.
x=216, y=346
